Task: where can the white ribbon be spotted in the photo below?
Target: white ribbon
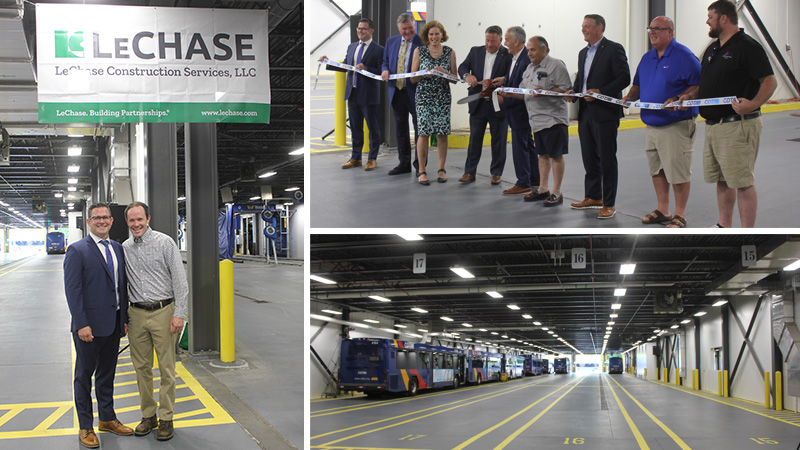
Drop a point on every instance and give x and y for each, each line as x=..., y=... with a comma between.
x=616, y=101
x=396, y=76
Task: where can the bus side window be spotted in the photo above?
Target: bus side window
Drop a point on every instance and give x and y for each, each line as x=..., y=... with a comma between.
x=437, y=361
x=420, y=360
x=402, y=360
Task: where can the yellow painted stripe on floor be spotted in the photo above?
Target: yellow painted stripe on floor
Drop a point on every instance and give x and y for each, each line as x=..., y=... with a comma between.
x=60, y=411
x=337, y=447
x=8, y=270
x=633, y=427
x=10, y=414
x=666, y=429
x=350, y=408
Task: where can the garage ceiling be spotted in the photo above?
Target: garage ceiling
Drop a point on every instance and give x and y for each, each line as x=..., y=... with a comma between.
x=535, y=274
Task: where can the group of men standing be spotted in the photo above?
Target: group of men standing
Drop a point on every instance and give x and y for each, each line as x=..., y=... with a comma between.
x=733, y=65
x=137, y=288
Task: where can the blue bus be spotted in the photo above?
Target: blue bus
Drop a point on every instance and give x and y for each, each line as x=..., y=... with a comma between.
x=375, y=366
x=561, y=365
x=55, y=243
x=615, y=364
x=483, y=366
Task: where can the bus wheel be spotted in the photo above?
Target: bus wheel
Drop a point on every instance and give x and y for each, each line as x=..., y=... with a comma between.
x=412, y=387
x=455, y=382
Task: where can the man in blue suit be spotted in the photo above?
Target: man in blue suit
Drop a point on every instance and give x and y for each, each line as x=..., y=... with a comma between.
x=363, y=94
x=602, y=68
x=97, y=294
x=397, y=58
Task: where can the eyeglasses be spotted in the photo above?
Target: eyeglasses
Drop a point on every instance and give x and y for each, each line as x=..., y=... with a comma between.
x=97, y=218
x=657, y=29
x=363, y=29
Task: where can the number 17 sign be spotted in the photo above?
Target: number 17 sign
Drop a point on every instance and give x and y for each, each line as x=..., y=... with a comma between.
x=419, y=262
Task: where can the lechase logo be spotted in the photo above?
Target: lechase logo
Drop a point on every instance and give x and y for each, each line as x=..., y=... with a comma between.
x=69, y=44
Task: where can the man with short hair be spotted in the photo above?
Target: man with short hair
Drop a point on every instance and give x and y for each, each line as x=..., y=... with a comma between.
x=158, y=308
x=397, y=57
x=666, y=72
x=363, y=94
x=484, y=63
x=733, y=65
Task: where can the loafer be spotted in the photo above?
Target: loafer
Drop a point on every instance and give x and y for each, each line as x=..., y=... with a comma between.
x=552, y=200
x=116, y=427
x=496, y=179
x=536, y=196
x=88, y=439
x=466, y=178
x=351, y=163
x=400, y=170
x=165, y=430
x=587, y=203
x=371, y=165
x=607, y=212
x=516, y=190
x=146, y=425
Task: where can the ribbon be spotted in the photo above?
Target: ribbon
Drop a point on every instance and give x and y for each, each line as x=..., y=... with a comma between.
x=396, y=76
x=616, y=101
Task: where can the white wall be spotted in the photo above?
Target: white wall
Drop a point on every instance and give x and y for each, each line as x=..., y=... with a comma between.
x=297, y=225
x=749, y=381
x=322, y=19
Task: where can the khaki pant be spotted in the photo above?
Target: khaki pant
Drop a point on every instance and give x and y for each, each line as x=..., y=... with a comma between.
x=148, y=330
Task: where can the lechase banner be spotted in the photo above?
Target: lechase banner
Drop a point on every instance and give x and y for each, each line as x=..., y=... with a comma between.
x=112, y=64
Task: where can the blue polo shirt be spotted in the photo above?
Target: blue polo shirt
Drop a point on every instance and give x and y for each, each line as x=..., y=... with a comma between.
x=661, y=79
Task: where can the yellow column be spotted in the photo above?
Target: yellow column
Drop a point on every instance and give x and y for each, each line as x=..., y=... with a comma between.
x=645, y=374
x=719, y=383
x=725, y=382
x=677, y=377
x=339, y=114
x=227, y=339
x=766, y=390
x=778, y=392
x=666, y=375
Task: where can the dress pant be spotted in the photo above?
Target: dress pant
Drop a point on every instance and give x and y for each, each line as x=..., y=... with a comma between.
x=148, y=330
x=358, y=113
x=401, y=108
x=98, y=358
x=498, y=128
x=599, y=151
x=526, y=161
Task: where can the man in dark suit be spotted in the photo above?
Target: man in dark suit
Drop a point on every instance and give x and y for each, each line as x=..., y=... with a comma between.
x=97, y=294
x=526, y=161
x=363, y=94
x=602, y=68
x=483, y=64
x=397, y=58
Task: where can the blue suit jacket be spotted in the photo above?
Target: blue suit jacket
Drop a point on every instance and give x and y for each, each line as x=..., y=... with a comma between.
x=474, y=65
x=516, y=112
x=368, y=92
x=390, y=56
x=90, y=290
x=610, y=74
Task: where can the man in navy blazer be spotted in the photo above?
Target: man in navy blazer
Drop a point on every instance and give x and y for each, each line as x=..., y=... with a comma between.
x=602, y=68
x=482, y=65
x=526, y=161
x=363, y=94
x=97, y=295
x=401, y=92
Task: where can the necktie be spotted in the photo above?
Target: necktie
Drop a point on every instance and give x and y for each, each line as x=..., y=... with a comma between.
x=359, y=53
x=109, y=261
x=401, y=64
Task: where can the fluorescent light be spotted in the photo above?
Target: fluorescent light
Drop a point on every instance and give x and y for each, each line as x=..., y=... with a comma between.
x=72, y=181
x=268, y=174
x=379, y=298
x=555, y=335
x=292, y=189
x=720, y=303
x=422, y=330
x=619, y=292
x=330, y=311
x=674, y=326
x=74, y=151
x=494, y=294
x=513, y=339
x=456, y=334
x=180, y=199
x=551, y=332
x=299, y=151
x=410, y=236
x=468, y=340
x=657, y=330
x=504, y=336
x=73, y=169
x=58, y=195
x=627, y=269
x=701, y=313
x=321, y=279
x=793, y=266
x=419, y=310
x=468, y=325
x=400, y=326
x=446, y=319
x=371, y=321
x=537, y=323
x=616, y=306
x=483, y=329
x=462, y=272
x=72, y=189
x=611, y=323
x=609, y=328
x=527, y=316
x=495, y=333
x=257, y=197
x=686, y=320
x=514, y=307
x=545, y=328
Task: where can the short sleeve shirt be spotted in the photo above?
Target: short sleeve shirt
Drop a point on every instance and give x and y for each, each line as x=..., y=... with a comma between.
x=661, y=79
x=546, y=111
x=733, y=69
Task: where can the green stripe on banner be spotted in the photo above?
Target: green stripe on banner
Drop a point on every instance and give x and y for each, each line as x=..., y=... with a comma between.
x=153, y=112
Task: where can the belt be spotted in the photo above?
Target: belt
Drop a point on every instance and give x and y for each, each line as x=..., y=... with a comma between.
x=733, y=118
x=152, y=306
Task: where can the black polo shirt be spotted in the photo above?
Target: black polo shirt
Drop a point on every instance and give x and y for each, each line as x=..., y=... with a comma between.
x=731, y=70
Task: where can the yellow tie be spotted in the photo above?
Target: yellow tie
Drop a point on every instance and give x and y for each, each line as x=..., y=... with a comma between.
x=401, y=65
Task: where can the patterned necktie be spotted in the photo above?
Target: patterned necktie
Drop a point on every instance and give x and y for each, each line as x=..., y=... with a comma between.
x=109, y=260
x=401, y=65
x=359, y=53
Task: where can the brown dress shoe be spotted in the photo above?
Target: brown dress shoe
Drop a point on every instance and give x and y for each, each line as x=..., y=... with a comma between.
x=587, y=203
x=552, y=200
x=496, y=179
x=88, y=438
x=371, y=165
x=165, y=431
x=146, y=425
x=607, y=212
x=516, y=190
x=467, y=178
x=535, y=196
x=116, y=427
x=351, y=163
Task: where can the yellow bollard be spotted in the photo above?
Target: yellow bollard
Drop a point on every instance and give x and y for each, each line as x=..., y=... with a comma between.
x=666, y=375
x=766, y=390
x=227, y=335
x=645, y=374
x=778, y=392
x=719, y=383
x=677, y=377
x=339, y=115
x=725, y=382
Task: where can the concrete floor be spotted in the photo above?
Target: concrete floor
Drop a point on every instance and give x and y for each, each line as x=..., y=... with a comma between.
x=258, y=407
x=355, y=198
x=596, y=411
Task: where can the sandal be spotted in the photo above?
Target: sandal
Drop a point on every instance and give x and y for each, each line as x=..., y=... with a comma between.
x=677, y=222
x=442, y=179
x=655, y=217
x=424, y=182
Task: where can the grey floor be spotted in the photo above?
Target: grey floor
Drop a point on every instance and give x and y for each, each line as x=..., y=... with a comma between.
x=36, y=365
x=548, y=411
x=355, y=198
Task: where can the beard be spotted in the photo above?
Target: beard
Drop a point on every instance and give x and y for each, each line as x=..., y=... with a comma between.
x=713, y=33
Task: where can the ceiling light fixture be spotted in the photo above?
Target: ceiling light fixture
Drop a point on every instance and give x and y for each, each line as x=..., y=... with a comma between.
x=537, y=323
x=330, y=311
x=420, y=310
x=527, y=316
x=72, y=181
x=74, y=151
x=73, y=169
x=468, y=325
x=268, y=174
x=379, y=298
x=701, y=313
x=494, y=294
x=514, y=307
x=371, y=321
x=299, y=151
x=627, y=269
x=720, y=303
x=686, y=320
x=462, y=272
x=793, y=266
x=321, y=279
x=446, y=319
x=616, y=306
x=410, y=236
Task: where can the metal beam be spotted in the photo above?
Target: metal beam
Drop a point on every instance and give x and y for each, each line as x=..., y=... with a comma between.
x=746, y=342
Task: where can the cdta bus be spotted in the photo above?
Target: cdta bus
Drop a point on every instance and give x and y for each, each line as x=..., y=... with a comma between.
x=483, y=366
x=540, y=367
x=515, y=366
x=561, y=365
x=615, y=364
x=55, y=243
x=374, y=366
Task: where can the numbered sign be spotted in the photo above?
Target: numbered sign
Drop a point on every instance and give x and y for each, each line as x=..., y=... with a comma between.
x=749, y=255
x=419, y=262
x=578, y=258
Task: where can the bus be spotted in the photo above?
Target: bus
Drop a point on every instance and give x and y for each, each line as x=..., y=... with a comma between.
x=55, y=243
x=540, y=367
x=515, y=366
x=375, y=366
x=483, y=366
x=561, y=365
x=615, y=364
